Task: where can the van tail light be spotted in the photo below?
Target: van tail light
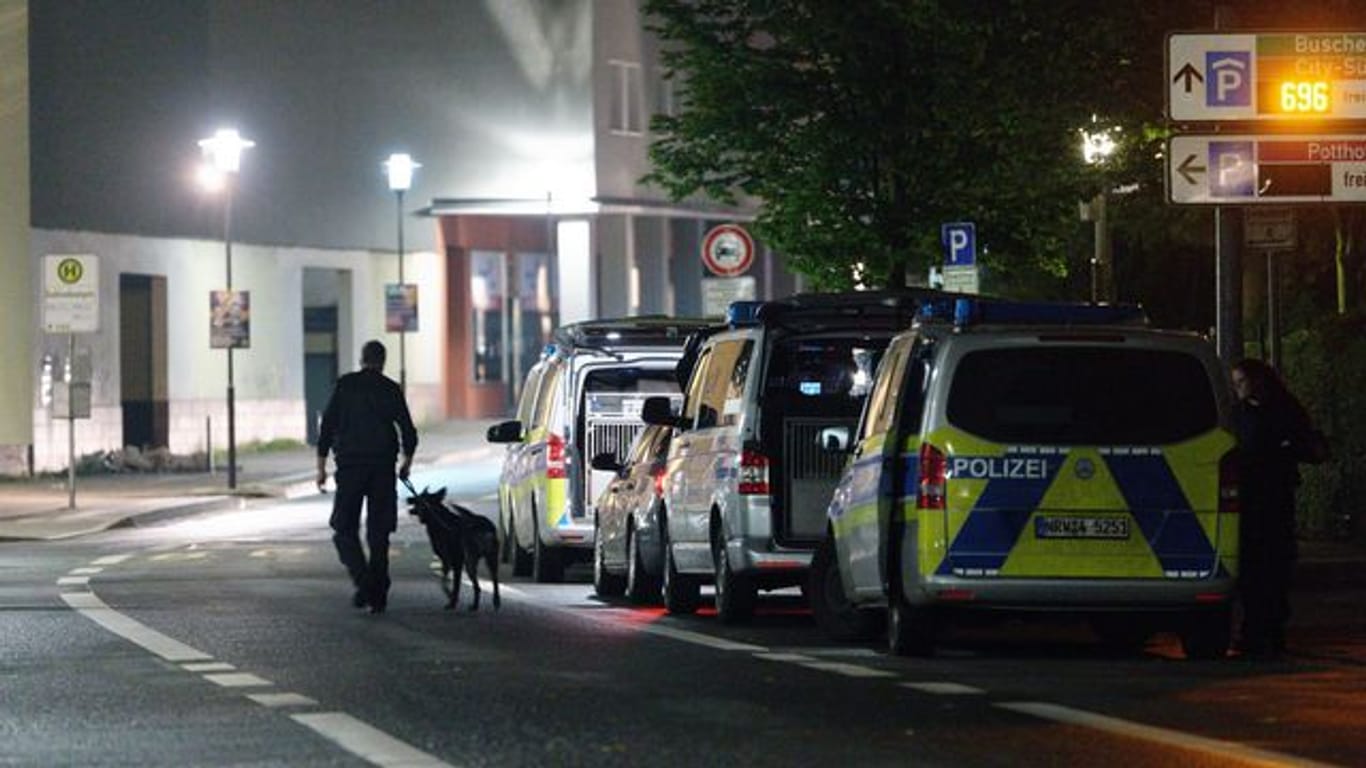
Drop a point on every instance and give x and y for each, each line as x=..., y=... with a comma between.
x=933, y=478
x=658, y=476
x=554, y=457
x=1229, y=504
x=753, y=473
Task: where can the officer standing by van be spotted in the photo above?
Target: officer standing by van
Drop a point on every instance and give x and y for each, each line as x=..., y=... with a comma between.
x=1274, y=435
x=366, y=424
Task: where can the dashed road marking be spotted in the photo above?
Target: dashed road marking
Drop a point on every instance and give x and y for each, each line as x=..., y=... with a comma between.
x=110, y=559
x=697, y=638
x=795, y=658
x=238, y=680
x=275, y=700
x=91, y=607
x=1114, y=725
x=69, y=581
x=944, y=688
x=848, y=670
x=85, y=571
x=367, y=742
x=208, y=666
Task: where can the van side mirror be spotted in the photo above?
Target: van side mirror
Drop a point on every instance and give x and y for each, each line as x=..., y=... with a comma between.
x=833, y=439
x=606, y=462
x=659, y=411
x=505, y=432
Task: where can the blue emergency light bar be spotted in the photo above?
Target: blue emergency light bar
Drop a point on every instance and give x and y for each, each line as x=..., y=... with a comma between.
x=743, y=313
x=964, y=312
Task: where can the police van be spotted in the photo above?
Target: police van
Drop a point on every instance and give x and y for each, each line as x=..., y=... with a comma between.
x=582, y=398
x=748, y=479
x=1036, y=457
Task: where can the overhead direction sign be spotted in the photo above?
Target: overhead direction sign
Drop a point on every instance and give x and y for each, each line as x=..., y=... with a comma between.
x=1266, y=76
x=1266, y=169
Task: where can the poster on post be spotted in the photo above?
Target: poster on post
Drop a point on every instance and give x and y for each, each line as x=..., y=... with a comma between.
x=229, y=319
x=400, y=307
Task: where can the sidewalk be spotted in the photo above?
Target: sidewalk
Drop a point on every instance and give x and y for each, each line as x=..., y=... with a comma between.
x=37, y=509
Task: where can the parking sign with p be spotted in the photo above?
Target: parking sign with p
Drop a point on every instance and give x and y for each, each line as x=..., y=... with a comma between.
x=960, y=244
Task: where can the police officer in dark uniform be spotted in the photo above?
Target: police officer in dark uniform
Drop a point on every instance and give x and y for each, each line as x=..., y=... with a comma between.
x=366, y=424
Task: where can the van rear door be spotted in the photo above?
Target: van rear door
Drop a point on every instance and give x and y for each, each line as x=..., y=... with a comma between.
x=1083, y=460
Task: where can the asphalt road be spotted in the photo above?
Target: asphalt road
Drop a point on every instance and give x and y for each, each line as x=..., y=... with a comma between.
x=228, y=639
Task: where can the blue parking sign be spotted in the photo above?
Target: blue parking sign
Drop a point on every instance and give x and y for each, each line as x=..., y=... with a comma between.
x=960, y=243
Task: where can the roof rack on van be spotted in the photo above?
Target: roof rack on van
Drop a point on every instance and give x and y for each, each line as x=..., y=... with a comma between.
x=967, y=311
x=903, y=304
x=639, y=331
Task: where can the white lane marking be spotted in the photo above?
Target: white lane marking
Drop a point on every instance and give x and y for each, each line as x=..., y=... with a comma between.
x=944, y=689
x=238, y=680
x=367, y=742
x=1178, y=739
x=208, y=666
x=110, y=559
x=68, y=581
x=87, y=571
x=848, y=670
x=697, y=638
x=91, y=607
x=273, y=700
x=795, y=658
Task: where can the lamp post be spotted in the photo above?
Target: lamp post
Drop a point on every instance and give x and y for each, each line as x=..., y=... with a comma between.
x=223, y=151
x=1096, y=146
x=400, y=167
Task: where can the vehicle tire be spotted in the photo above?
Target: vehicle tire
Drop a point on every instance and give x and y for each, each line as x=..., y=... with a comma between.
x=681, y=592
x=521, y=556
x=841, y=620
x=735, y=593
x=604, y=583
x=546, y=566
x=1205, y=635
x=641, y=587
x=1121, y=634
x=911, y=630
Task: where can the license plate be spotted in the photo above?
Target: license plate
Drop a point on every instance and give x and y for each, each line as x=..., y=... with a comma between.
x=1072, y=527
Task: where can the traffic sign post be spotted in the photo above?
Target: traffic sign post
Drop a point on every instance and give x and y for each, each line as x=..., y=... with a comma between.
x=1246, y=169
x=727, y=250
x=1266, y=76
x=71, y=305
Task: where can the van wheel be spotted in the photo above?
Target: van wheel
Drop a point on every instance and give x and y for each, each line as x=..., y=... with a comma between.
x=841, y=620
x=641, y=587
x=910, y=630
x=604, y=583
x=735, y=594
x=546, y=566
x=680, y=592
x=1205, y=635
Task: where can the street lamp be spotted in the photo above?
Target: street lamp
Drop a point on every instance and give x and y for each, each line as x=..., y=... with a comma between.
x=223, y=152
x=1096, y=147
x=400, y=167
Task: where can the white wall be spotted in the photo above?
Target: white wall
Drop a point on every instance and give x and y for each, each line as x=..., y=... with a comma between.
x=269, y=375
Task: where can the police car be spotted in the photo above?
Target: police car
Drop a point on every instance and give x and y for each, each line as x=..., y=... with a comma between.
x=582, y=398
x=748, y=476
x=1035, y=457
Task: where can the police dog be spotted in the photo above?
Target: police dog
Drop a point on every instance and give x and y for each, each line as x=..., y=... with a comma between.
x=460, y=538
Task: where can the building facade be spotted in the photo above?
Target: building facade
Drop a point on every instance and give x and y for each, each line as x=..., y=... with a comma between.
x=530, y=119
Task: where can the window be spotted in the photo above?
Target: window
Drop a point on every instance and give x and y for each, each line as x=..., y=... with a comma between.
x=627, y=116
x=545, y=401
x=724, y=388
x=1082, y=396
x=882, y=403
x=525, y=406
x=699, y=377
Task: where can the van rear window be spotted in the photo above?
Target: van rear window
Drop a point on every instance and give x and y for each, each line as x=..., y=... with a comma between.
x=1082, y=396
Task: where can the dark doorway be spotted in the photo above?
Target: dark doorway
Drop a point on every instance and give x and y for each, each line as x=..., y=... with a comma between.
x=320, y=363
x=142, y=360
